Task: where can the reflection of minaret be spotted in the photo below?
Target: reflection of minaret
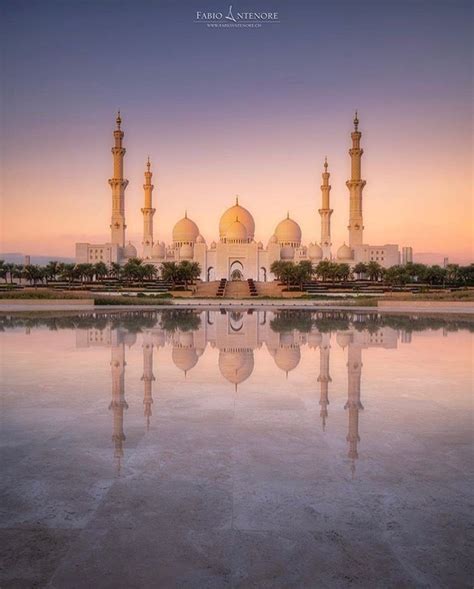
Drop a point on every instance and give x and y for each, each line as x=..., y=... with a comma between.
x=148, y=379
x=325, y=211
x=118, y=403
x=354, y=369
x=324, y=377
x=148, y=212
x=118, y=185
x=355, y=186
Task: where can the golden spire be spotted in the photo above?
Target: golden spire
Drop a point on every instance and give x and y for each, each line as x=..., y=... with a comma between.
x=236, y=199
x=326, y=163
x=287, y=214
x=148, y=164
x=356, y=122
x=118, y=120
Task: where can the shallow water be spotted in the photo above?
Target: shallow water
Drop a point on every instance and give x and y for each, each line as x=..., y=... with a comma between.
x=202, y=449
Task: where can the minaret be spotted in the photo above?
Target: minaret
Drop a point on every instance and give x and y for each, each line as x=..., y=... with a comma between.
x=355, y=186
x=148, y=212
x=118, y=403
x=118, y=185
x=324, y=379
x=354, y=405
x=325, y=211
x=147, y=379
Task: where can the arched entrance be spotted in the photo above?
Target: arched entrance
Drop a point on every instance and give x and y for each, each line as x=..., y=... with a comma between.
x=236, y=271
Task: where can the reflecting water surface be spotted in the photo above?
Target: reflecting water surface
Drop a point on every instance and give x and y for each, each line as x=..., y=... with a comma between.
x=266, y=449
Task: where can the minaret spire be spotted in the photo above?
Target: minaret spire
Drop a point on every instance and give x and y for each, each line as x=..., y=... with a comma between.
x=355, y=186
x=147, y=379
x=324, y=378
x=353, y=405
x=118, y=185
x=148, y=211
x=325, y=212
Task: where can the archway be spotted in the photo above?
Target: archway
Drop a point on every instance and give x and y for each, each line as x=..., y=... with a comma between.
x=236, y=270
x=209, y=270
x=264, y=270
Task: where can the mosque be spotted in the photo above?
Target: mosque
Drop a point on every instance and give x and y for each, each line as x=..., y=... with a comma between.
x=237, y=255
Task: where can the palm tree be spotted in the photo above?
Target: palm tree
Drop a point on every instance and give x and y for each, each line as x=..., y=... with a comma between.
x=3, y=270
x=10, y=268
x=323, y=269
x=150, y=271
x=100, y=270
x=115, y=270
x=170, y=272
x=343, y=272
x=18, y=272
x=360, y=269
x=68, y=272
x=52, y=270
x=33, y=273
x=303, y=272
x=374, y=270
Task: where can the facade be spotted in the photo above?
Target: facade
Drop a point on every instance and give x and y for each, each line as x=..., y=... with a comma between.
x=237, y=255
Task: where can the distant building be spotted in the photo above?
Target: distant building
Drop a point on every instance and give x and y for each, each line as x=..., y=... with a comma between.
x=27, y=261
x=237, y=256
x=407, y=255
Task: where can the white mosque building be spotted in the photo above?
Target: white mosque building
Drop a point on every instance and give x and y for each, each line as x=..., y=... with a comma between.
x=237, y=256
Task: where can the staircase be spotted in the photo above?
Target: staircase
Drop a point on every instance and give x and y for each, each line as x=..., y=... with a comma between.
x=252, y=287
x=221, y=289
x=237, y=289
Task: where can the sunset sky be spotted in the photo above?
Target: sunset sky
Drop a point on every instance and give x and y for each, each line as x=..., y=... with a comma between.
x=237, y=111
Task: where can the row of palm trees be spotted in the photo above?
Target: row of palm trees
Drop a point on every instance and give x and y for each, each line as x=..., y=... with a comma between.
x=293, y=273
x=135, y=270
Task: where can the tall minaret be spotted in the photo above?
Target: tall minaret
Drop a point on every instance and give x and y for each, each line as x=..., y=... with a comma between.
x=147, y=378
x=325, y=211
x=355, y=185
x=353, y=405
x=118, y=185
x=148, y=212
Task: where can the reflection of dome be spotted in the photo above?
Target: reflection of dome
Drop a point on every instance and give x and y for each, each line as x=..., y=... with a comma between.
x=200, y=239
x=228, y=218
x=236, y=232
x=236, y=366
x=184, y=358
x=315, y=252
x=288, y=231
x=287, y=358
x=185, y=230
x=186, y=251
x=129, y=251
x=129, y=338
x=287, y=252
x=158, y=250
x=344, y=252
x=344, y=338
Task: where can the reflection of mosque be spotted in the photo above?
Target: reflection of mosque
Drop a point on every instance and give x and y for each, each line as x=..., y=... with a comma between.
x=236, y=335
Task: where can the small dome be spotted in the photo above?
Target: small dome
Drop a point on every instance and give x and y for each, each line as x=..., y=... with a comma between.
x=129, y=251
x=184, y=358
x=213, y=245
x=344, y=252
x=185, y=230
x=260, y=245
x=287, y=358
x=288, y=231
x=287, y=252
x=236, y=232
x=344, y=338
x=158, y=250
x=315, y=252
x=200, y=239
x=228, y=218
x=273, y=239
x=186, y=251
x=236, y=366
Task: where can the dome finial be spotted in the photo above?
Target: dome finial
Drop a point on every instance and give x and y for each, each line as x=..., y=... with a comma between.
x=356, y=121
x=148, y=163
x=236, y=199
x=287, y=214
x=326, y=163
x=118, y=120
x=186, y=214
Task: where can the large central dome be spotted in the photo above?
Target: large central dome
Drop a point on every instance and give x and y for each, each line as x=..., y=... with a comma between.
x=230, y=216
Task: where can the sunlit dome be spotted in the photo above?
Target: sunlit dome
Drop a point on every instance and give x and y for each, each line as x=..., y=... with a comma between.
x=344, y=252
x=185, y=230
x=314, y=251
x=236, y=231
x=236, y=366
x=228, y=218
x=129, y=251
x=288, y=232
x=200, y=239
